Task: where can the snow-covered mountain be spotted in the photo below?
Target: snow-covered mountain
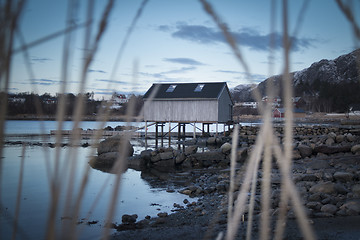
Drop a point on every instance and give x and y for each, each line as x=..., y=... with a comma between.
x=335, y=83
x=242, y=92
x=340, y=70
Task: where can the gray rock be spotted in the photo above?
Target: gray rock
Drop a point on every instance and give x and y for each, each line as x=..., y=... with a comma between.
x=115, y=144
x=326, y=187
x=129, y=218
x=180, y=158
x=162, y=214
x=211, y=140
x=343, y=176
x=242, y=154
x=146, y=155
x=330, y=141
x=339, y=138
x=225, y=148
x=355, y=148
x=186, y=164
x=105, y=161
x=332, y=135
x=191, y=150
x=356, y=190
x=166, y=155
x=331, y=149
x=214, y=156
x=155, y=158
x=165, y=163
x=309, y=177
x=350, y=137
x=305, y=151
x=341, y=188
x=318, y=164
x=136, y=162
x=351, y=207
x=314, y=205
x=315, y=197
x=296, y=154
x=329, y=208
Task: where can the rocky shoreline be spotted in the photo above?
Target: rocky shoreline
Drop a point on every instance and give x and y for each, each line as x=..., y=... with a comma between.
x=326, y=171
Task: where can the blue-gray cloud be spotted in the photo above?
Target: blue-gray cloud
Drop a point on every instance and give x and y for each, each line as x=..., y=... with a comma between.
x=245, y=36
x=40, y=60
x=44, y=82
x=229, y=71
x=96, y=71
x=181, y=70
x=162, y=75
x=186, y=61
x=164, y=28
x=111, y=81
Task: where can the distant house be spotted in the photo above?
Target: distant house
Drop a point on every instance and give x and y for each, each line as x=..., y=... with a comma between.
x=188, y=102
x=248, y=104
x=280, y=113
x=276, y=101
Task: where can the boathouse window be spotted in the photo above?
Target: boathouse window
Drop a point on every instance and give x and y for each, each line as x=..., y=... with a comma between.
x=199, y=87
x=171, y=88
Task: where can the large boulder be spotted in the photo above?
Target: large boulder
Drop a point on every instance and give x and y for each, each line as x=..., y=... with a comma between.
x=331, y=149
x=305, y=151
x=116, y=144
x=325, y=187
x=104, y=161
x=355, y=148
x=225, y=148
x=343, y=176
x=109, y=151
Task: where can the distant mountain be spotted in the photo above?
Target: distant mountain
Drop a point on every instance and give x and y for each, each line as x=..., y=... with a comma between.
x=327, y=85
x=242, y=92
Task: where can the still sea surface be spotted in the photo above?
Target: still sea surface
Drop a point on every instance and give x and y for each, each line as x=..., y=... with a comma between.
x=136, y=195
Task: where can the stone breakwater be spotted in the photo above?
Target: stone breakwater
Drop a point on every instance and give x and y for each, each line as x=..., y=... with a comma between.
x=309, y=142
x=325, y=170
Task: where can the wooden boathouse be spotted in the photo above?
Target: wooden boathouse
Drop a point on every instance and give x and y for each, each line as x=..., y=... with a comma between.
x=188, y=103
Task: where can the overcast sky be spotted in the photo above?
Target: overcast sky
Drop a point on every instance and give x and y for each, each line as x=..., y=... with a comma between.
x=174, y=41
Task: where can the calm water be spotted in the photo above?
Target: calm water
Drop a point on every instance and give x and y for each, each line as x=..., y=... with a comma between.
x=136, y=195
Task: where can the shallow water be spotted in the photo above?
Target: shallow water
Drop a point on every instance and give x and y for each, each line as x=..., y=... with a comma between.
x=136, y=195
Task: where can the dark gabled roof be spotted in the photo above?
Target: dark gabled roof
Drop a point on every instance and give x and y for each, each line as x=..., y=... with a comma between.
x=210, y=90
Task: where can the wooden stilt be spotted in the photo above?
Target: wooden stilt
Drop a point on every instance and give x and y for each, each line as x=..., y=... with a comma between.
x=194, y=136
x=179, y=131
x=169, y=134
x=146, y=135
x=216, y=134
x=156, y=134
x=162, y=134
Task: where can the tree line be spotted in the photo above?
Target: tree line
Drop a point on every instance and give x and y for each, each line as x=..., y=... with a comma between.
x=46, y=104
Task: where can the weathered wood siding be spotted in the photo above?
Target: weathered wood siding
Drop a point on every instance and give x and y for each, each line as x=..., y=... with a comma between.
x=181, y=111
x=225, y=107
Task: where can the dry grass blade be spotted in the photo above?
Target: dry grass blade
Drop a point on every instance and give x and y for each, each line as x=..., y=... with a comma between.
x=264, y=143
x=350, y=16
x=74, y=208
x=120, y=164
x=10, y=12
x=127, y=37
x=232, y=170
x=19, y=191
